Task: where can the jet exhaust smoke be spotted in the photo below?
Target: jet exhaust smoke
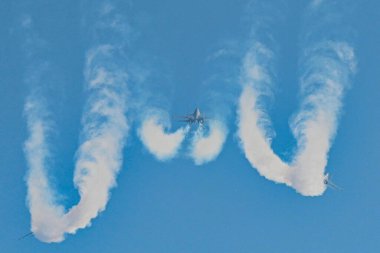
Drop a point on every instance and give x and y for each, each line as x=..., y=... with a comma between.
x=156, y=138
x=328, y=67
x=99, y=156
x=207, y=145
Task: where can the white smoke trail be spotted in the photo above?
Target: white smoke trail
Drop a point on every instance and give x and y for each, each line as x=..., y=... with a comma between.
x=46, y=214
x=156, y=138
x=328, y=68
x=164, y=145
x=99, y=156
x=205, y=147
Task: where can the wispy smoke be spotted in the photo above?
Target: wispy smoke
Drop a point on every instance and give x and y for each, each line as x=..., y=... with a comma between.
x=253, y=122
x=206, y=142
x=316, y=3
x=207, y=145
x=327, y=67
x=99, y=156
x=156, y=138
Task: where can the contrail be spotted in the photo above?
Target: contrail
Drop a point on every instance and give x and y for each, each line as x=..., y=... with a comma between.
x=156, y=138
x=327, y=68
x=99, y=156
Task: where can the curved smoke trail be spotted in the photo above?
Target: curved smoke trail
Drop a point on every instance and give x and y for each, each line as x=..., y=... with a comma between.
x=328, y=66
x=99, y=156
x=207, y=145
x=164, y=145
x=155, y=136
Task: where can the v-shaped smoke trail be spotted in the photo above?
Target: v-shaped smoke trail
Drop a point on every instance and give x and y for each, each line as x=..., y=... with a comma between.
x=328, y=66
x=327, y=75
x=99, y=156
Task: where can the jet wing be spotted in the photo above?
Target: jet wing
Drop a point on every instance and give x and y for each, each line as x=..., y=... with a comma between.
x=185, y=117
x=24, y=236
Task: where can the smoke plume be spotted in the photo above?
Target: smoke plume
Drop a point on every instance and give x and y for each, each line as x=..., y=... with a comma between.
x=99, y=156
x=156, y=138
x=327, y=67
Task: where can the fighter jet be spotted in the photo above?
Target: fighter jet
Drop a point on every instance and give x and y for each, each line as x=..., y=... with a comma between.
x=194, y=118
x=330, y=184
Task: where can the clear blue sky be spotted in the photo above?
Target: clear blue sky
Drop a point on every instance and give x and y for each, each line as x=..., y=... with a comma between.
x=172, y=207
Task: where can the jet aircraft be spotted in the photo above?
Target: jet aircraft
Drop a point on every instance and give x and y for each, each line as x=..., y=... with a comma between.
x=194, y=118
x=330, y=184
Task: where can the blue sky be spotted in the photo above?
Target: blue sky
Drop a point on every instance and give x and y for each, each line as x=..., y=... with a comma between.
x=179, y=55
